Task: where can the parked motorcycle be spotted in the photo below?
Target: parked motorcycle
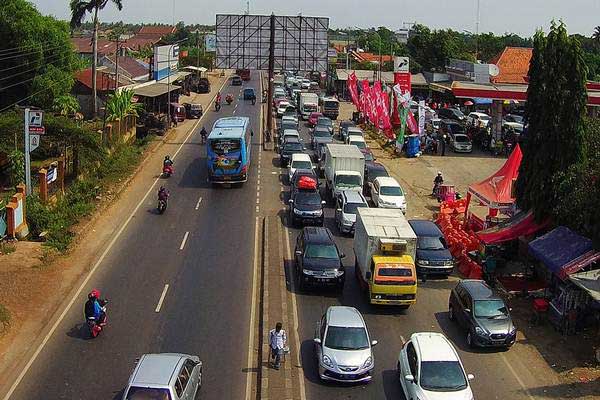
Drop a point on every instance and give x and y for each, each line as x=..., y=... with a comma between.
x=95, y=327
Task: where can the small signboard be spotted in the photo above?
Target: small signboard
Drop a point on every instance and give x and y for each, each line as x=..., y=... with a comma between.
x=401, y=64
x=35, y=118
x=37, y=130
x=34, y=142
x=210, y=42
x=52, y=175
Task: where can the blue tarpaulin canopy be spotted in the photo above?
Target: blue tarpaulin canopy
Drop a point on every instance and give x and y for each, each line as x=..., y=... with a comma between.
x=563, y=251
x=482, y=100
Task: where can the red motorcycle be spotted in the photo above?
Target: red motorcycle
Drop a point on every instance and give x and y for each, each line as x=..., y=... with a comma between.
x=95, y=327
x=229, y=99
x=167, y=170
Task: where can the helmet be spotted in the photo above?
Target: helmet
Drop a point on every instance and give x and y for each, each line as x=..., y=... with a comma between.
x=95, y=293
x=167, y=157
x=440, y=173
x=162, y=188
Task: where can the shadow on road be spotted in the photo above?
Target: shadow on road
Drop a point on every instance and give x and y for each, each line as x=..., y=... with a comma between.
x=391, y=386
x=458, y=335
x=79, y=331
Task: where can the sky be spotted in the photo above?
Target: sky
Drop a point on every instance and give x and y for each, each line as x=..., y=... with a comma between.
x=523, y=17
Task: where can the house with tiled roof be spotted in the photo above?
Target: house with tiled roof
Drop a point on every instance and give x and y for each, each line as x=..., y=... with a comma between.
x=105, y=84
x=130, y=67
x=83, y=46
x=156, y=30
x=370, y=57
x=513, y=65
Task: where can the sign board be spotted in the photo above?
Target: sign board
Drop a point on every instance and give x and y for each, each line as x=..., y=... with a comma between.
x=35, y=118
x=210, y=42
x=243, y=42
x=403, y=79
x=52, y=175
x=37, y=130
x=34, y=142
x=166, y=59
x=401, y=64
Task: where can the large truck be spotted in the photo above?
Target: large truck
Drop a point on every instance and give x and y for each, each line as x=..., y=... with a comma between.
x=243, y=73
x=330, y=107
x=385, y=247
x=308, y=103
x=344, y=168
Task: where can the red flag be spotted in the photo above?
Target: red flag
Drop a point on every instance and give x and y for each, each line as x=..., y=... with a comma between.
x=411, y=122
x=353, y=90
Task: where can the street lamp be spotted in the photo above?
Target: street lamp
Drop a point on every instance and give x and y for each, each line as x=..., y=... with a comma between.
x=379, y=73
x=169, y=80
x=347, y=34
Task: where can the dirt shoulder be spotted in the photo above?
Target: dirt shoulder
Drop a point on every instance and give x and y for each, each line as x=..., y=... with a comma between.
x=36, y=284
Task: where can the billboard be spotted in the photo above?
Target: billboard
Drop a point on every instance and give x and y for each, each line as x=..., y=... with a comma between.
x=243, y=42
x=166, y=59
x=210, y=42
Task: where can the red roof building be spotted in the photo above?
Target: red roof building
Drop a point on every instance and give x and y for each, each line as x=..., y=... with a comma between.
x=513, y=63
x=370, y=57
x=83, y=45
x=156, y=30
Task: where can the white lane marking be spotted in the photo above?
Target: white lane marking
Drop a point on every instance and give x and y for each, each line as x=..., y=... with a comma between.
x=257, y=201
x=512, y=370
x=295, y=316
x=185, y=237
x=257, y=208
x=198, y=203
x=96, y=265
x=274, y=172
x=162, y=298
x=251, y=344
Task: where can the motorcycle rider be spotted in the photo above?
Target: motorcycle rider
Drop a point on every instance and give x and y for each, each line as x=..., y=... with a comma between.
x=167, y=161
x=218, y=101
x=93, y=307
x=163, y=194
x=203, y=134
x=437, y=182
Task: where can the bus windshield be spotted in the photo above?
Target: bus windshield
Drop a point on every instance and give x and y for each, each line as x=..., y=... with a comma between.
x=225, y=146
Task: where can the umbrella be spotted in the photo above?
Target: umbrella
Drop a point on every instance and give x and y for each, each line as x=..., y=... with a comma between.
x=468, y=103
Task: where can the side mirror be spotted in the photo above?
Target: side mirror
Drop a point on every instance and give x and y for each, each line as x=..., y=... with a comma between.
x=338, y=210
x=298, y=252
x=470, y=377
x=317, y=340
x=368, y=275
x=323, y=202
x=342, y=255
x=468, y=310
x=374, y=342
x=290, y=201
x=409, y=378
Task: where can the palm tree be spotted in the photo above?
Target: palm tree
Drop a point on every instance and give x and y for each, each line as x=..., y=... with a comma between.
x=79, y=10
x=596, y=34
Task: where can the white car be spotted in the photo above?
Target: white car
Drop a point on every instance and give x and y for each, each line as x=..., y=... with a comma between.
x=299, y=161
x=478, y=119
x=358, y=141
x=387, y=193
x=343, y=347
x=289, y=118
x=281, y=107
x=288, y=133
x=305, y=84
x=461, y=143
x=429, y=369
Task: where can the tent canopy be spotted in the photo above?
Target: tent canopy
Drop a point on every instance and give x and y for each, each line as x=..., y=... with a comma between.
x=522, y=224
x=563, y=251
x=496, y=191
x=588, y=281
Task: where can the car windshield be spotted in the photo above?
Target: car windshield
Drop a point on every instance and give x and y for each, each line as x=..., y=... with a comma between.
x=324, y=122
x=291, y=125
x=394, y=272
x=350, y=208
x=391, y=191
x=351, y=338
x=375, y=173
x=347, y=180
x=321, y=133
x=455, y=128
x=143, y=393
x=303, y=164
x=308, y=199
x=368, y=156
x=321, y=251
x=430, y=243
x=462, y=139
x=248, y=91
x=293, y=147
x=490, y=309
x=442, y=376
x=360, y=145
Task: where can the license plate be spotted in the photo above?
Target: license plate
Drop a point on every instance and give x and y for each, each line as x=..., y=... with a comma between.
x=226, y=178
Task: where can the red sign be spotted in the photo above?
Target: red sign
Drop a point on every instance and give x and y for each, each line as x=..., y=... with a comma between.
x=38, y=130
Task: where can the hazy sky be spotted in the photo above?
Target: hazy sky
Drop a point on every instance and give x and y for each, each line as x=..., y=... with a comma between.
x=498, y=16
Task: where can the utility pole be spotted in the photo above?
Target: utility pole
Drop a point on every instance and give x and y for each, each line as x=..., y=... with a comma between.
x=271, y=76
x=477, y=32
x=248, y=7
x=117, y=64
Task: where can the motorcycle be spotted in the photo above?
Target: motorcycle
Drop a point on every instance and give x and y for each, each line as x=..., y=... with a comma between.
x=167, y=170
x=217, y=106
x=436, y=190
x=253, y=100
x=95, y=327
x=229, y=99
x=162, y=205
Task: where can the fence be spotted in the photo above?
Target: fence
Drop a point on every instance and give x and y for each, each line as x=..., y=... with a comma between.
x=120, y=131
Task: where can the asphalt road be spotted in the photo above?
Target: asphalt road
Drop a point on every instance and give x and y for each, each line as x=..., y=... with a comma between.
x=207, y=306
x=498, y=374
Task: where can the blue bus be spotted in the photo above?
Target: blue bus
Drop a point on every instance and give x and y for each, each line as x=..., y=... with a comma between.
x=228, y=150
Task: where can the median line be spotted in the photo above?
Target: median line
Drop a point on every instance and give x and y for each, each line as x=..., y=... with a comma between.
x=162, y=298
x=198, y=203
x=185, y=237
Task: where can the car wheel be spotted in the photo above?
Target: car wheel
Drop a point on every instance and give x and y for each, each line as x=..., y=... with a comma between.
x=450, y=313
x=470, y=340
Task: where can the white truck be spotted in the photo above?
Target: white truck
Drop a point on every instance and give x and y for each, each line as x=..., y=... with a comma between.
x=385, y=247
x=308, y=103
x=330, y=107
x=344, y=168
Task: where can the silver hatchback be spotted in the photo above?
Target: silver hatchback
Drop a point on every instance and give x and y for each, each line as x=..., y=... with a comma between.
x=165, y=376
x=343, y=348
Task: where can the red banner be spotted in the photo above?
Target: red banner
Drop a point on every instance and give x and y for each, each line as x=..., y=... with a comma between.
x=353, y=90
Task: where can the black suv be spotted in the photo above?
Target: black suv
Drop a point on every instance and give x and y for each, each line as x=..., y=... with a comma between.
x=451, y=113
x=372, y=170
x=484, y=314
x=299, y=173
x=318, y=260
x=291, y=146
x=306, y=207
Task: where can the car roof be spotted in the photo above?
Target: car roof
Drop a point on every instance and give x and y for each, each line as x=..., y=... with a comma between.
x=344, y=316
x=301, y=157
x=354, y=128
x=461, y=135
x=354, y=138
x=290, y=132
x=347, y=123
x=373, y=165
x=317, y=234
x=433, y=346
x=478, y=289
x=479, y=114
x=303, y=172
x=387, y=181
x=352, y=196
x=292, y=139
x=424, y=227
x=156, y=369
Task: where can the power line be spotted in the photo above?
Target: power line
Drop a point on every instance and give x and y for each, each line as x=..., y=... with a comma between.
x=17, y=84
x=22, y=48
x=28, y=70
x=30, y=53
x=31, y=95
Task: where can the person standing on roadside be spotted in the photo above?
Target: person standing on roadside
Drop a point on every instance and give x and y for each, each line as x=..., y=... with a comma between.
x=443, y=143
x=277, y=342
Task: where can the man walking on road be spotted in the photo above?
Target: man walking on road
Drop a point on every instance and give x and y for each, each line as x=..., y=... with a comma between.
x=277, y=342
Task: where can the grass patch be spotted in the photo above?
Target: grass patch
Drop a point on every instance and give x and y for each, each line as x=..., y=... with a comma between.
x=7, y=248
x=4, y=318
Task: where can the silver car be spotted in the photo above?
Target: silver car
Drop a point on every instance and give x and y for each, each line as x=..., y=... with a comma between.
x=345, y=210
x=169, y=376
x=343, y=347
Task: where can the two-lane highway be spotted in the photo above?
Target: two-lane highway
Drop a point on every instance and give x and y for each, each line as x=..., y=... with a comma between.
x=203, y=249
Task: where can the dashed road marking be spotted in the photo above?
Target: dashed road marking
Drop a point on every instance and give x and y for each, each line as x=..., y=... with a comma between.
x=198, y=203
x=185, y=237
x=162, y=298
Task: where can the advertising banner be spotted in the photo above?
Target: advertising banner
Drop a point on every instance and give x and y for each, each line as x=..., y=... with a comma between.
x=352, y=88
x=210, y=42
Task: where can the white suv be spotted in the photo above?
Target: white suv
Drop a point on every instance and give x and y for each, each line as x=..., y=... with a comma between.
x=429, y=368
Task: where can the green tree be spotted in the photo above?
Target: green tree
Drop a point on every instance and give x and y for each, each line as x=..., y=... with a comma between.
x=79, y=10
x=596, y=34
x=66, y=105
x=37, y=56
x=556, y=100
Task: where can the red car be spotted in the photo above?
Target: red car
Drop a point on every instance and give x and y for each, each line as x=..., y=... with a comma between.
x=313, y=118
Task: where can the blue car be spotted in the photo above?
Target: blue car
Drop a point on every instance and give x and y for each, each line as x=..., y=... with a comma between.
x=433, y=256
x=249, y=94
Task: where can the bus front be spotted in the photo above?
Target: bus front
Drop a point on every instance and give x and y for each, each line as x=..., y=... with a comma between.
x=227, y=161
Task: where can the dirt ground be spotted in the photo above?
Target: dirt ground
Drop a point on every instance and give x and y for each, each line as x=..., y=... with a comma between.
x=571, y=357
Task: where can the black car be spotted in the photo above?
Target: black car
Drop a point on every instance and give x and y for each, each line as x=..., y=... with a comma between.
x=369, y=157
x=344, y=125
x=318, y=260
x=290, y=147
x=203, y=85
x=451, y=113
x=306, y=207
x=300, y=172
x=433, y=256
x=475, y=306
x=325, y=122
x=236, y=81
x=249, y=94
x=372, y=170
x=319, y=132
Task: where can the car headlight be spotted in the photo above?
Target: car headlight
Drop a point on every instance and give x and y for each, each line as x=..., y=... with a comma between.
x=296, y=211
x=513, y=331
x=448, y=262
x=423, y=262
x=338, y=272
x=368, y=362
x=480, y=331
x=327, y=361
x=308, y=272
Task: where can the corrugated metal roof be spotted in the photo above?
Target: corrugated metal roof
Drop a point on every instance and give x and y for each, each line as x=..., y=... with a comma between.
x=154, y=89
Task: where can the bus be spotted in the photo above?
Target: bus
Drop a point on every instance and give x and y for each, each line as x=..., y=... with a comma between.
x=228, y=150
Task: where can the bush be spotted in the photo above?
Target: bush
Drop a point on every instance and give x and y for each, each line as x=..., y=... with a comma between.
x=4, y=318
